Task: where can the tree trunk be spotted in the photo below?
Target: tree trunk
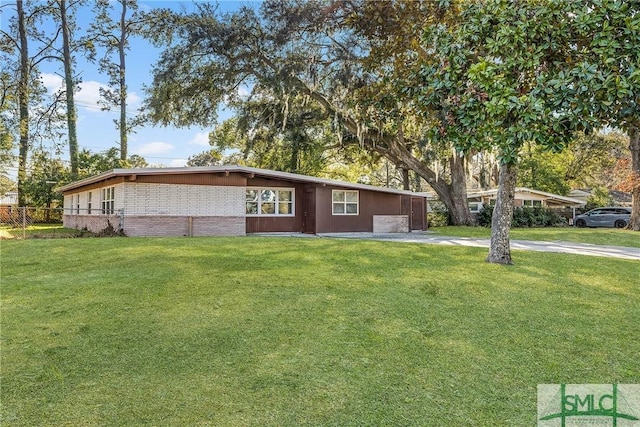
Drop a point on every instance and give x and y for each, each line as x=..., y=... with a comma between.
x=500, y=250
x=123, y=84
x=406, y=183
x=460, y=213
x=454, y=195
x=634, y=146
x=23, y=103
x=69, y=90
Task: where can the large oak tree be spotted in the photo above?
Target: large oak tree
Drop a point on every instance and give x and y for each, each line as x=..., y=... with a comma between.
x=290, y=50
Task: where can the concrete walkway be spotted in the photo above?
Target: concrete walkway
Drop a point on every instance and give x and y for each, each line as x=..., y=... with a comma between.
x=559, y=246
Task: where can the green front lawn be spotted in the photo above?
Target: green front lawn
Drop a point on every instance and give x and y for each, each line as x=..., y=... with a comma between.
x=256, y=331
x=596, y=236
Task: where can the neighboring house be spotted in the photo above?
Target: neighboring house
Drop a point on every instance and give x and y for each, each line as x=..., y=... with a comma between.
x=523, y=197
x=619, y=198
x=565, y=206
x=235, y=200
x=9, y=199
x=8, y=203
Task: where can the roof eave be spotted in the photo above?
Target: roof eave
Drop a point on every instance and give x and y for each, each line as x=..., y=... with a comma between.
x=230, y=168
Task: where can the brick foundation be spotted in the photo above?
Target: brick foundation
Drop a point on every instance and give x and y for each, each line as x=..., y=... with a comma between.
x=184, y=226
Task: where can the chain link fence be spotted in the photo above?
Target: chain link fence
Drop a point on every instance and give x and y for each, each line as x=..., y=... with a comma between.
x=16, y=221
x=23, y=222
x=12, y=216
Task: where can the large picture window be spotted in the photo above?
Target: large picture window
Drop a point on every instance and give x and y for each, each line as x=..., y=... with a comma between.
x=270, y=201
x=344, y=202
x=108, y=200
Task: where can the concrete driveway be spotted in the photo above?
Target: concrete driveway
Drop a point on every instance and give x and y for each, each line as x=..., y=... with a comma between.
x=560, y=246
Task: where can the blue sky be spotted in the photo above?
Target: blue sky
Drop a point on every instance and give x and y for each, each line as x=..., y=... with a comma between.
x=160, y=146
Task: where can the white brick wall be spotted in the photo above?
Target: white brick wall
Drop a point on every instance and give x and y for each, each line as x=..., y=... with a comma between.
x=96, y=201
x=181, y=200
x=164, y=210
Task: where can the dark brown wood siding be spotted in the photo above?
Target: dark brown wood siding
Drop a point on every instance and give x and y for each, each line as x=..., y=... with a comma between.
x=278, y=224
x=106, y=183
x=370, y=203
x=219, y=179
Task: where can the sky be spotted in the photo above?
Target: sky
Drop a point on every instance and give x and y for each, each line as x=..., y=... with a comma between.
x=160, y=146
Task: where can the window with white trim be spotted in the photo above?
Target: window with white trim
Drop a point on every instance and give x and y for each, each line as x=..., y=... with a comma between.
x=344, y=202
x=475, y=207
x=526, y=202
x=77, y=204
x=108, y=200
x=89, y=196
x=270, y=201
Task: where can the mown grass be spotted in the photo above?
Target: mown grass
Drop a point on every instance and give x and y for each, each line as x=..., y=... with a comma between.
x=596, y=236
x=283, y=331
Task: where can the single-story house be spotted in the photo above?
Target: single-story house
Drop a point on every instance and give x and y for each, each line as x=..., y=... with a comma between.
x=619, y=198
x=234, y=200
x=523, y=197
x=8, y=203
x=9, y=199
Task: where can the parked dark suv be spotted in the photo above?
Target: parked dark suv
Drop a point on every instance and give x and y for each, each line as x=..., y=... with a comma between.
x=617, y=217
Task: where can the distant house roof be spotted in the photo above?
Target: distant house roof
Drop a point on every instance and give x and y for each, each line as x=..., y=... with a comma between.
x=9, y=199
x=619, y=197
x=580, y=194
x=520, y=191
x=266, y=173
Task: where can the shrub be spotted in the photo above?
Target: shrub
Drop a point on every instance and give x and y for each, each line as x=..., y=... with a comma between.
x=439, y=215
x=484, y=216
x=525, y=216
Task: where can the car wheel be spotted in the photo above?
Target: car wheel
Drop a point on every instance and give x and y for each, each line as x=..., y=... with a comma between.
x=620, y=223
x=581, y=223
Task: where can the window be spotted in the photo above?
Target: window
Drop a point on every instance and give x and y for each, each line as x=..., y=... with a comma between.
x=89, y=203
x=270, y=201
x=108, y=198
x=475, y=207
x=345, y=202
x=77, y=204
x=531, y=202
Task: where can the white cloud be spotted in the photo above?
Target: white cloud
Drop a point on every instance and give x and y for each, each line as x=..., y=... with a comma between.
x=52, y=82
x=133, y=100
x=89, y=94
x=153, y=148
x=200, y=138
x=178, y=163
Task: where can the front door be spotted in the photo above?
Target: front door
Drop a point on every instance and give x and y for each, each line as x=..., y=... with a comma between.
x=309, y=211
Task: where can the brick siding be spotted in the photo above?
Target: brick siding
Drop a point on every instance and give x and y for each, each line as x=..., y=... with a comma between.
x=390, y=224
x=93, y=223
x=166, y=225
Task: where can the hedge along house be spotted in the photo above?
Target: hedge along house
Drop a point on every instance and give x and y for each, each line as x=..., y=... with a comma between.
x=235, y=200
